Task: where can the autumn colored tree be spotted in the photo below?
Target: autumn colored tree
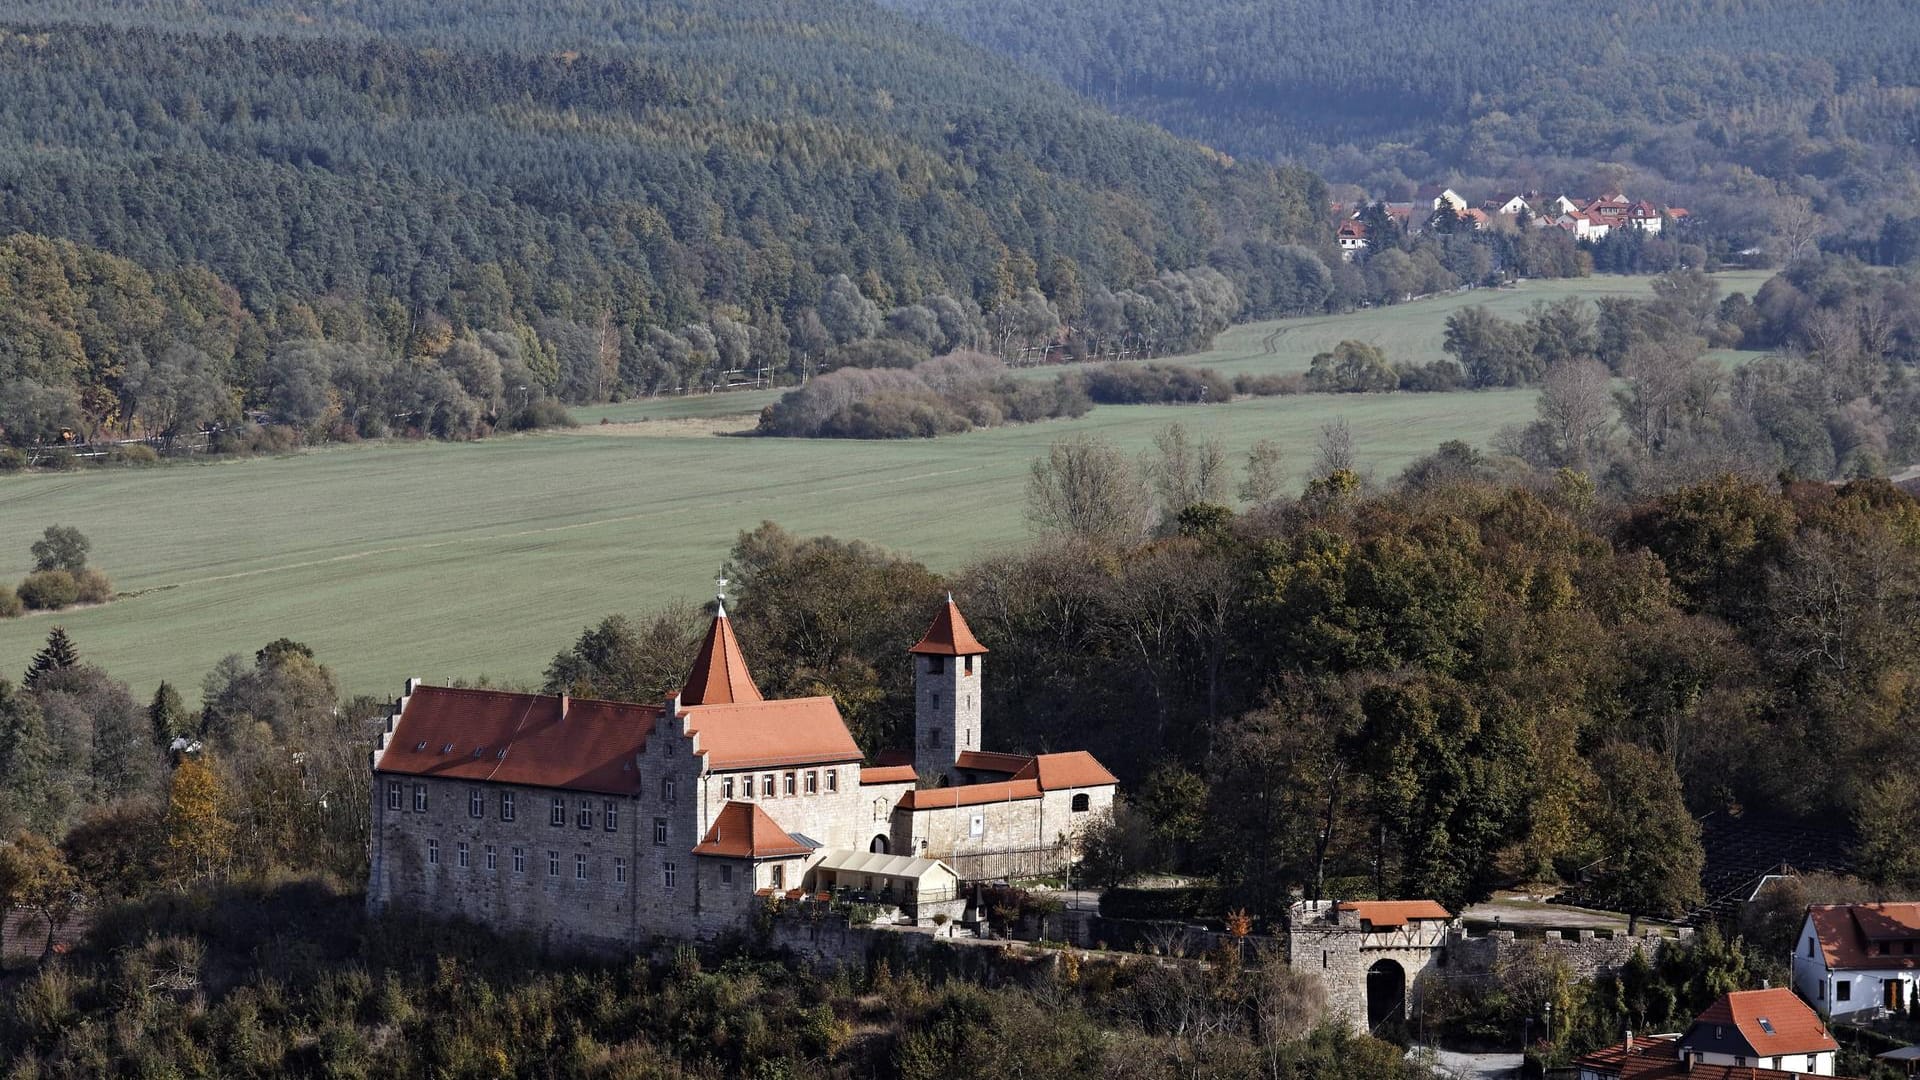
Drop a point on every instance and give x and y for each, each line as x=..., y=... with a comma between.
x=35, y=875
x=1644, y=845
x=200, y=836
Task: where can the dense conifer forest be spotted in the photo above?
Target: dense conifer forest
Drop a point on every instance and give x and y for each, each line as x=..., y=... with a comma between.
x=636, y=197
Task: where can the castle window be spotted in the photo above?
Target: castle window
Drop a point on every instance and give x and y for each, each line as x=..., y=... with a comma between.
x=790, y=783
x=660, y=830
x=393, y=794
x=726, y=874
x=779, y=879
x=833, y=780
x=933, y=735
x=936, y=664
x=586, y=813
x=579, y=868
x=1842, y=990
x=726, y=788
x=557, y=814
x=813, y=782
x=667, y=875
x=506, y=806
x=619, y=871
x=465, y=856
x=476, y=804
x=419, y=798
x=519, y=860
x=936, y=701
x=766, y=785
x=969, y=662
x=610, y=813
x=879, y=809
x=666, y=790
x=553, y=864
x=1809, y=947
x=433, y=852
x=1082, y=803
x=493, y=858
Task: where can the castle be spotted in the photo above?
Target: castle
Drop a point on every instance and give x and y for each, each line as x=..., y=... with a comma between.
x=608, y=825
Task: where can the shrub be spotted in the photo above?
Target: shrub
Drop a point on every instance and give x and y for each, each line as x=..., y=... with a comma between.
x=1156, y=384
x=541, y=413
x=49, y=590
x=58, y=460
x=10, y=605
x=94, y=588
x=133, y=454
x=12, y=459
x=1270, y=385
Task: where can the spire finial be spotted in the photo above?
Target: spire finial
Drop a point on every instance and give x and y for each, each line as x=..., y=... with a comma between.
x=720, y=595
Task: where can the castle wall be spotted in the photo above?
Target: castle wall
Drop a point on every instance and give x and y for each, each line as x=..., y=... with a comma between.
x=837, y=819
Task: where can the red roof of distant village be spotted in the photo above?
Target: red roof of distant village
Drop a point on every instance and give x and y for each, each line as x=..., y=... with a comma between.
x=531, y=739
x=1395, y=912
x=719, y=675
x=949, y=635
x=742, y=830
x=754, y=734
x=1796, y=1028
x=1659, y=1059
x=970, y=795
x=888, y=774
x=1869, y=936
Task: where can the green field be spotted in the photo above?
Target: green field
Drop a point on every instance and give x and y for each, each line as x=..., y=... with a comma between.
x=446, y=560
x=456, y=560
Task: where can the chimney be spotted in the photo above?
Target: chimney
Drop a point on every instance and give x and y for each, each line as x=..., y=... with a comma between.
x=1766, y=984
x=1629, y=1040
x=565, y=700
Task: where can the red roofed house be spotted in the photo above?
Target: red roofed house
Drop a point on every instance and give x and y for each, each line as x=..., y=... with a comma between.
x=606, y=824
x=1858, y=958
x=1352, y=236
x=1745, y=1035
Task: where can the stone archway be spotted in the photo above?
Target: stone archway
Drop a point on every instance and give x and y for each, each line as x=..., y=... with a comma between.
x=1386, y=994
x=879, y=845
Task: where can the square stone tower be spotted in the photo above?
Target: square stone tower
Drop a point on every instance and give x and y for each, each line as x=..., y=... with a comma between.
x=947, y=677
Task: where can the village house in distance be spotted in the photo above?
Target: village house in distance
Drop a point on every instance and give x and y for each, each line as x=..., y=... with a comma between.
x=599, y=824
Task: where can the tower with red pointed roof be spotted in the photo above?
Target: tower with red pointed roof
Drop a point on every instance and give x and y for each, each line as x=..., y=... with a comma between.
x=948, y=665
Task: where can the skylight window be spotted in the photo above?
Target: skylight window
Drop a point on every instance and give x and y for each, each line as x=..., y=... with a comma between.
x=1766, y=1025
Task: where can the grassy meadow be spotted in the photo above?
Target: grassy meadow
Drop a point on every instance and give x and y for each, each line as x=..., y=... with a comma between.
x=456, y=560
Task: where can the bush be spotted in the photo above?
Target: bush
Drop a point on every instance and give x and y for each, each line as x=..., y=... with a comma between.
x=541, y=413
x=10, y=605
x=94, y=588
x=1187, y=902
x=1269, y=385
x=12, y=459
x=58, y=460
x=1156, y=384
x=49, y=590
x=134, y=454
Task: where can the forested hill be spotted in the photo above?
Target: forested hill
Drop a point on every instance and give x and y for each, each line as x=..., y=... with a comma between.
x=649, y=163
x=1819, y=95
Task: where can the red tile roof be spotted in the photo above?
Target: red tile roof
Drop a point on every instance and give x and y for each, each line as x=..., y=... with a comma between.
x=970, y=795
x=949, y=635
x=756, y=734
x=1796, y=1028
x=744, y=831
x=1074, y=769
x=987, y=761
x=888, y=774
x=1659, y=1059
x=719, y=675
x=1395, y=912
x=1353, y=230
x=529, y=739
x=1852, y=935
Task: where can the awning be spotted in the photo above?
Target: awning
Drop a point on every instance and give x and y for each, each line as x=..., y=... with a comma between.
x=876, y=864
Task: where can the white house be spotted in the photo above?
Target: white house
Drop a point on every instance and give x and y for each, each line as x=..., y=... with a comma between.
x=1854, y=959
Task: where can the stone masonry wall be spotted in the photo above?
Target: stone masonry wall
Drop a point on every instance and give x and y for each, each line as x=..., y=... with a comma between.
x=1586, y=953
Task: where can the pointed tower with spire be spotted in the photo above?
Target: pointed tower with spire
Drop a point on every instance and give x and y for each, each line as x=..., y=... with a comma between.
x=720, y=675
x=947, y=680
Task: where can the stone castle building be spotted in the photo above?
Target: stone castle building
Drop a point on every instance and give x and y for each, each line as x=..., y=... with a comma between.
x=607, y=825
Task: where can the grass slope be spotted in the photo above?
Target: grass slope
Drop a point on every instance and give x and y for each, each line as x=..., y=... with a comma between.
x=447, y=560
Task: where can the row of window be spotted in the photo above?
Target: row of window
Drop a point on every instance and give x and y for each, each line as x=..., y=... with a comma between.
x=789, y=783
x=582, y=864
x=585, y=814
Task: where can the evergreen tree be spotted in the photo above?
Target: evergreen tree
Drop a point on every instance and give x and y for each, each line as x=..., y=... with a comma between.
x=26, y=760
x=168, y=716
x=59, y=655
